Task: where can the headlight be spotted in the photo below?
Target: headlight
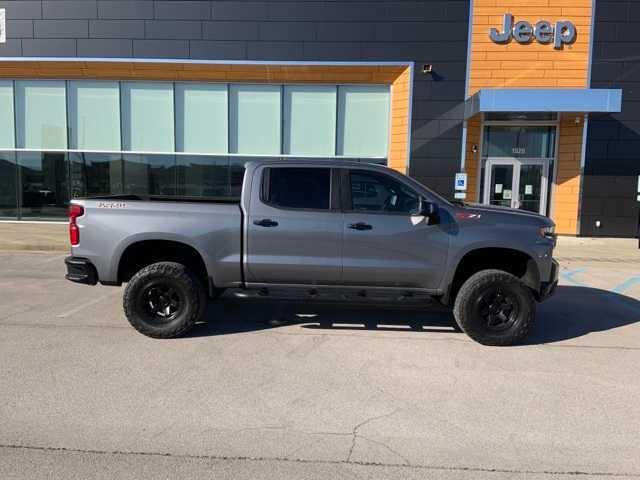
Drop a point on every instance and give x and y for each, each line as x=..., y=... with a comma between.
x=548, y=232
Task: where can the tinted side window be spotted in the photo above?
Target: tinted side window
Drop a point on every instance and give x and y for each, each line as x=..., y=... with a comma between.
x=375, y=192
x=308, y=188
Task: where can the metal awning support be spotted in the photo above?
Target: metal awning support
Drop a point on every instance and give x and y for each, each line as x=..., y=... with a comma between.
x=544, y=100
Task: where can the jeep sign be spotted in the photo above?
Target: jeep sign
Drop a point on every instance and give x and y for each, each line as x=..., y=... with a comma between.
x=563, y=33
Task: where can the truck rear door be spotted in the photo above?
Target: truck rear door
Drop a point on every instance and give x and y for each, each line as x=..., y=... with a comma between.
x=294, y=226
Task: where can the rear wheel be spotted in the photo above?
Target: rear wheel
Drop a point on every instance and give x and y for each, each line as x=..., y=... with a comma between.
x=164, y=300
x=495, y=308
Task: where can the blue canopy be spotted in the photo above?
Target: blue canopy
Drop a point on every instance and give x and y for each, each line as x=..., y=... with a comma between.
x=543, y=100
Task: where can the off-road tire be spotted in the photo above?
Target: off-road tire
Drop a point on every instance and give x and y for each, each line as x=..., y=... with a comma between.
x=468, y=305
x=187, y=287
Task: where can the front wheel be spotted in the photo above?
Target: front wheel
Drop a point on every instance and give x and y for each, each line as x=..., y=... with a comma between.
x=164, y=300
x=495, y=308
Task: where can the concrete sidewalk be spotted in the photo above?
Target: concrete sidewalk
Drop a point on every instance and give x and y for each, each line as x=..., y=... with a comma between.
x=45, y=236
x=55, y=237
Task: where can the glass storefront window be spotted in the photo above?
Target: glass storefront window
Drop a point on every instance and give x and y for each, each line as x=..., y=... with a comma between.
x=147, y=117
x=90, y=137
x=94, y=115
x=44, y=180
x=201, y=118
x=41, y=114
x=7, y=127
x=202, y=176
x=254, y=119
x=8, y=185
x=149, y=174
x=519, y=141
x=521, y=116
x=309, y=120
x=363, y=121
x=95, y=173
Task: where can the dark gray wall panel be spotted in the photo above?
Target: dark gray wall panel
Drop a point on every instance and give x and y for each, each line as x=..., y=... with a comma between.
x=183, y=10
x=51, y=47
x=171, y=30
x=426, y=31
x=125, y=9
x=21, y=29
x=66, y=9
x=116, y=29
x=613, y=147
x=26, y=9
x=161, y=48
x=222, y=30
x=119, y=48
x=61, y=28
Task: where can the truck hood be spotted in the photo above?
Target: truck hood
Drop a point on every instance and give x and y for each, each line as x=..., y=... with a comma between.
x=512, y=212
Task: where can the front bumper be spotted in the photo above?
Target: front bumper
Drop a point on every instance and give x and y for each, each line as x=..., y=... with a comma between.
x=80, y=270
x=548, y=288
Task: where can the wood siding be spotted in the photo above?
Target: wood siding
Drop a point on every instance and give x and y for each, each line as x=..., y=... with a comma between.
x=533, y=65
x=565, y=196
x=396, y=76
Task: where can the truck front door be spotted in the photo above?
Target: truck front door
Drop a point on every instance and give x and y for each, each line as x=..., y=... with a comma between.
x=294, y=228
x=386, y=242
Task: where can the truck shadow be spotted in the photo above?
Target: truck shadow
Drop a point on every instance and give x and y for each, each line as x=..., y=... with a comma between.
x=573, y=312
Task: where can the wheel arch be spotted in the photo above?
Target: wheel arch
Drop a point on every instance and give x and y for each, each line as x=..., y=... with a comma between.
x=510, y=260
x=143, y=252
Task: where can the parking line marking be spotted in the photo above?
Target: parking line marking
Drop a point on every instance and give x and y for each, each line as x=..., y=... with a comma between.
x=88, y=304
x=627, y=284
x=569, y=276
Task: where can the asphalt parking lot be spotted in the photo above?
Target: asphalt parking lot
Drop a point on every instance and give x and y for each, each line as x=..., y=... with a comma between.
x=378, y=394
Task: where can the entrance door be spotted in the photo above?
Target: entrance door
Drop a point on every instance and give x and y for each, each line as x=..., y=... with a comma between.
x=517, y=183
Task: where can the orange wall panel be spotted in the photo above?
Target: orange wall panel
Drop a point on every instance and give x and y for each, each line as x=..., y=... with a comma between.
x=533, y=65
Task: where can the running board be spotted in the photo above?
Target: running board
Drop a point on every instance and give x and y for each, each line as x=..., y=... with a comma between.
x=331, y=294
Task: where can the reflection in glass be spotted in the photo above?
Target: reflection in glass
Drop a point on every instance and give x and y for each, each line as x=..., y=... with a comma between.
x=202, y=176
x=530, y=193
x=95, y=174
x=236, y=175
x=8, y=187
x=45, y=188
x=501, y=192
x=149, y=174
x=519, y=142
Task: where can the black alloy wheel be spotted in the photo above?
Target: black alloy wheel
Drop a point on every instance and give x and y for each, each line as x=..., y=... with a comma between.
x=494, y=307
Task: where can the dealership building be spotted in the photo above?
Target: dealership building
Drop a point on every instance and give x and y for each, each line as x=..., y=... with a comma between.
x=528, y=104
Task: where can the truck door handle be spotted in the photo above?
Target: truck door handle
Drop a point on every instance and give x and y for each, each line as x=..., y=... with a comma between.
x=360, y=226
x=265, y=222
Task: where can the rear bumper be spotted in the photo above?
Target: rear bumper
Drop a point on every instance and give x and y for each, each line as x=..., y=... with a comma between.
x=548, y=288
x=81, y=270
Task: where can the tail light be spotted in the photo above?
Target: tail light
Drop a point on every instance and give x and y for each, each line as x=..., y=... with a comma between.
x=75, y=211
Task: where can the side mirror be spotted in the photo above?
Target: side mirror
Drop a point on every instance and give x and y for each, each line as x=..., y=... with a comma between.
x=428, y=209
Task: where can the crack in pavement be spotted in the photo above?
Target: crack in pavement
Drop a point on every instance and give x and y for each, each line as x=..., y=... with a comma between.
x=354, y=433
x=321, y=462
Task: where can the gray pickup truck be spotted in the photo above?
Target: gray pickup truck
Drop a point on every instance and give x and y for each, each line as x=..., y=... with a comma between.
x=315, y=230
